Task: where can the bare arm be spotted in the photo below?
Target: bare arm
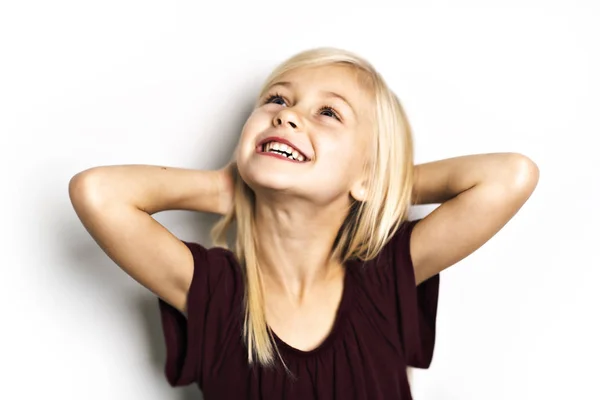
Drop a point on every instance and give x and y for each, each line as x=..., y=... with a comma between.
x=479, y=194
x=115, y=204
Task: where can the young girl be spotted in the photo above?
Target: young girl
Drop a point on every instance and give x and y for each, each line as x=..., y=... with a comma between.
x=331, y=292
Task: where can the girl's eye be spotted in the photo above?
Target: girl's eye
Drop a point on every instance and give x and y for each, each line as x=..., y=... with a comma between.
x=328, y=111
x=276, y=99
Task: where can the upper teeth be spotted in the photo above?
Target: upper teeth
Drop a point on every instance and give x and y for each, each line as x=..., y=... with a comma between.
x=283, y=149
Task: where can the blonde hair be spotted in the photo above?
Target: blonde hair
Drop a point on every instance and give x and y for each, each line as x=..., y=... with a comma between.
x=368, y=225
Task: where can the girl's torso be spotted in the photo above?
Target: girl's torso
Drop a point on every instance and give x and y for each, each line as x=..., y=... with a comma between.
x=383, y=322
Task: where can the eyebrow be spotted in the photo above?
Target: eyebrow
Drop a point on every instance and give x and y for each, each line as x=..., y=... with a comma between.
x=324, y=92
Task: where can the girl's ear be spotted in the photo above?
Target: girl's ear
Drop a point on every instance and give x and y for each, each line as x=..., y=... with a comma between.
x=359, y=191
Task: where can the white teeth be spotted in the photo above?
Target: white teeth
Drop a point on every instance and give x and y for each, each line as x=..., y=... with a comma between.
x=284, y=150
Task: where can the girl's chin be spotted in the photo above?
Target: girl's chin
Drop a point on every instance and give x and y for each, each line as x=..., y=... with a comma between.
x=270, y=178
x=269, y=186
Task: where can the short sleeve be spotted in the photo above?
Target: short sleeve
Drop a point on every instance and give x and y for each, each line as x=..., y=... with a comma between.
x=417, y=305
x=192, y=343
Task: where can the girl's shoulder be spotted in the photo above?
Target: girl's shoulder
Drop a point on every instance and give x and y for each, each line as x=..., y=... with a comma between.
x=214, y=300
x=389, y=283
x=393, y=259
x=213, y=266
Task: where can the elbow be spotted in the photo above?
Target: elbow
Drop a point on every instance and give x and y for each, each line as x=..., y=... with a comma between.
x=83, y=190
x=525, y=174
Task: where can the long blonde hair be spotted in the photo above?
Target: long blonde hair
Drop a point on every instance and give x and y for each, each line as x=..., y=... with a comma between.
x=368, y=225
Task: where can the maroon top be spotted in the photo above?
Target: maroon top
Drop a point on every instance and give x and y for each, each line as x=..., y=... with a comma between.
x=384, y=323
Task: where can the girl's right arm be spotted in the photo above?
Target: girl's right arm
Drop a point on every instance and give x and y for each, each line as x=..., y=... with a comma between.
x=115, y=204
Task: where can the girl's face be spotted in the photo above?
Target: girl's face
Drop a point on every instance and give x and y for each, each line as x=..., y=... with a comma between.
x=309, y=135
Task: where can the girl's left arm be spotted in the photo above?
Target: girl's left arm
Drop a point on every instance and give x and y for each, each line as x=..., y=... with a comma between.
x=479, y=193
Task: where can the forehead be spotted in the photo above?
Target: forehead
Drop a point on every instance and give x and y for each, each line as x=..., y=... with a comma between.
x=333, y=74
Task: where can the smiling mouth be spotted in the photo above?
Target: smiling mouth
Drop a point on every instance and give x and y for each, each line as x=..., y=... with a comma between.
x=283, y=150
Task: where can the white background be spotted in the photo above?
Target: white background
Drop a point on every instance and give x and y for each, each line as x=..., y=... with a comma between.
x=120, y=82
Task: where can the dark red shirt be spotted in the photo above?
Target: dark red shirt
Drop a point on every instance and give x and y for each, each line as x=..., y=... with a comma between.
x=384, y=323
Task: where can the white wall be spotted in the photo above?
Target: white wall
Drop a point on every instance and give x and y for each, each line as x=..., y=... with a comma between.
x=120, y=82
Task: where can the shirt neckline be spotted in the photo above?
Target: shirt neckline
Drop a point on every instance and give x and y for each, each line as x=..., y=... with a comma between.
x=340, y=318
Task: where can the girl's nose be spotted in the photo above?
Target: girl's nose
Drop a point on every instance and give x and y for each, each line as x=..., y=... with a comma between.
x=287, y=117
x=280, y=122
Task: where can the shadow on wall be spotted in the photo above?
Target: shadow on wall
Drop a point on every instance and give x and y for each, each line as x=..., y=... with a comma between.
x=97, y=274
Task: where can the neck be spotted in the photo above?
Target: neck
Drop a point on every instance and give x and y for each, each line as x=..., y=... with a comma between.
x=295, y=242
